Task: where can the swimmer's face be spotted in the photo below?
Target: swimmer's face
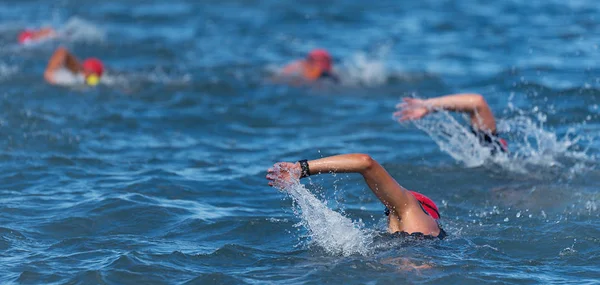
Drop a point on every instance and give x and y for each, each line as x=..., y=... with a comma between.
x=320, y=62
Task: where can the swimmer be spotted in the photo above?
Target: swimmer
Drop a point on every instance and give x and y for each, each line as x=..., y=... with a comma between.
x=483, y=124
x=31, y=36
x=317, y=66
x=409, y=213
x=64, y=69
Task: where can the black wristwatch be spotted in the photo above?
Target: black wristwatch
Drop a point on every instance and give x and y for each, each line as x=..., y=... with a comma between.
x=305, y=170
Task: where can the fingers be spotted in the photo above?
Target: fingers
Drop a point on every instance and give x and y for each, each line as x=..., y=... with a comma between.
x=400, y=114
x=282, y=174
x=408, y=102
x=406, y=118
x=401, y=105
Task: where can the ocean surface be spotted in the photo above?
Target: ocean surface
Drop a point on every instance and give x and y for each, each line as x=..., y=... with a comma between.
x=157, y=176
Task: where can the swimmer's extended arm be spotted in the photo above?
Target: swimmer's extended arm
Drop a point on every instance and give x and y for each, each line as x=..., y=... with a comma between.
x=293, y=68
x=290, y=74
x=61, y=59
x=406, y=213
x=474, y=104
x=43, y=33
x=389, y=192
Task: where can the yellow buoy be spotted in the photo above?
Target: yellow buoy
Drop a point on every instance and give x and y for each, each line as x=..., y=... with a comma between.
x=92, y=80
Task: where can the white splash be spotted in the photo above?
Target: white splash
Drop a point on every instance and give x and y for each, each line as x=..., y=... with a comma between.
x=529, y=144
x=328, y=229
x=77, y=29
x=138, y=78
x=361, y=70
x=454, y=138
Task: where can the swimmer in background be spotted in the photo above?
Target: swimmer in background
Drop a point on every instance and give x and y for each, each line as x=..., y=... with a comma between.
x=483, y=123
x=32, y=36
x=410, y=214
x=317, y=66
x=64, y=69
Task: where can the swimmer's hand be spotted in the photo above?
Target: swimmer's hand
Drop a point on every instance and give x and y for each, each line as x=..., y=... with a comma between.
x=411, y=109
x=284, y=174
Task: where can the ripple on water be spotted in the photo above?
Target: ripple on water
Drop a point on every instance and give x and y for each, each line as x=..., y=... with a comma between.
x=157, y=176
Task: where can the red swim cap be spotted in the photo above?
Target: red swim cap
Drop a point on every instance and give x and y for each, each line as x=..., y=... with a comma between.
x=427, y=204
x=93, y=65
x=25, y=36
x=322, y=58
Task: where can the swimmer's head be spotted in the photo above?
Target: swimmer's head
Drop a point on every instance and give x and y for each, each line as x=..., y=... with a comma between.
x=25, y=36
x=93, y=66
x=320, y=58
x=92, y=69
x=427, y=204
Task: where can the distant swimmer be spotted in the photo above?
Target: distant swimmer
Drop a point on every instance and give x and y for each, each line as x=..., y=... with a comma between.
x=317, y=66
x=31, y=36
x=64, y=69
x=409, y=213
x=483, y=124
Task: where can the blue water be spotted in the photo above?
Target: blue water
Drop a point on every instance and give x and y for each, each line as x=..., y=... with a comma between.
x=157, y=176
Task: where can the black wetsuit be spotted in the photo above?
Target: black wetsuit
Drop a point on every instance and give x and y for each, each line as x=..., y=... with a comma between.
x=325, y=75
x=491, y=140
x=419, y=235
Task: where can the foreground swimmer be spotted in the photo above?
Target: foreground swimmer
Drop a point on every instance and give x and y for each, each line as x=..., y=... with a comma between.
x=318, y=65
x=64, y=69
x=409, y=213
x=31, y=36
x=483, y=124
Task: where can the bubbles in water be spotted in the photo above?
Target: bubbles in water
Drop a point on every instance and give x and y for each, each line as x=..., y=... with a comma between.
x=7, y=71
x=591, y=206
x=326, y=228
x=569, y=250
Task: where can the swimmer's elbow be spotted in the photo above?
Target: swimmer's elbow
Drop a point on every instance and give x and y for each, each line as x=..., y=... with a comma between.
x=49, y=76
x=366, y=162
x=475, y=102
x=478, y=101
